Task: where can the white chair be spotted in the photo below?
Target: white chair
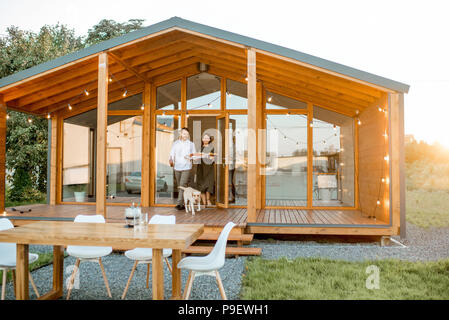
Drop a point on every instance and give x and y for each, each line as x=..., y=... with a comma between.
x=145, y=255
x=8, y=258
x=88, y=253
x=208, y=265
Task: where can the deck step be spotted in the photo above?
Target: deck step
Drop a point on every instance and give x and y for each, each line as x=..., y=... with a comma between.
x=243, y=251
x=246, y=238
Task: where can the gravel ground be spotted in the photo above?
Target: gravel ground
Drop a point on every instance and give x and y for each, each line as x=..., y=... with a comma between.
x=422, y=245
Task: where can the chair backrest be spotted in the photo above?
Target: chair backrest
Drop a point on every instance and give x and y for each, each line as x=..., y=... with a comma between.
x=5, y=224
x=218, y=252
x=89, y=218
x=6, y=248
x=158, y=219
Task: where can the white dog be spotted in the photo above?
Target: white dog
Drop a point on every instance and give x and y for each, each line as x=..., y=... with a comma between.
x=191, y=197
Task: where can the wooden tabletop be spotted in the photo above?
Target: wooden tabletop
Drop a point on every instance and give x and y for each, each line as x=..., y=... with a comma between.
x=158, y=236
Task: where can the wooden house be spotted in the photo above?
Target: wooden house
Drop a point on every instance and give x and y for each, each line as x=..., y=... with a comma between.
x=304, y=145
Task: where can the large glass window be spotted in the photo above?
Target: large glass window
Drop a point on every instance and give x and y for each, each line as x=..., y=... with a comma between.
x=203, y=92
x=78, y=165
x=238, y=159
x=124, y=159
x=168, y=96
x=333, y=158
x=277, y=101
x=236, y=95
x=167, y=131
x=286, y=160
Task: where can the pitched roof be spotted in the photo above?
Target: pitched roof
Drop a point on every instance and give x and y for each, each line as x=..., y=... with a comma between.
x=214, y=32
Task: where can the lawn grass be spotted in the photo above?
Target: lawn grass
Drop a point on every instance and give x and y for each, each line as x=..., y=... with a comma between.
x=427, y=208
x=316, y=278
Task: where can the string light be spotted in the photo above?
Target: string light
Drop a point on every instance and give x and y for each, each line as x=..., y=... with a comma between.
x=378, y=202
x=70, y=107
x=386, y=158
x=86, y=92
x=142, y=107
x=124, y=93
x=30, y=120
x=359, y=122
x=48, y=116
x=270, y=98
x=7, y=116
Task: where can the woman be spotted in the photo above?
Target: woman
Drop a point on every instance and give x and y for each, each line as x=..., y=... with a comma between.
x=205, y=175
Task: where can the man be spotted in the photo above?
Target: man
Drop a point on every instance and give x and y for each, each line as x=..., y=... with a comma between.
x=180, y=158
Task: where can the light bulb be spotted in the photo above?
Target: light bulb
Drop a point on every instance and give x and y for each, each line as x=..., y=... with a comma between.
x=124, y=93
x=86, y=92
x=270, y=98
x=378, y=202
x=48, y=116
x=70, y=107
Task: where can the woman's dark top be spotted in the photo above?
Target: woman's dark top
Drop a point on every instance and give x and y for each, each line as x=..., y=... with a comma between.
x=205, y=175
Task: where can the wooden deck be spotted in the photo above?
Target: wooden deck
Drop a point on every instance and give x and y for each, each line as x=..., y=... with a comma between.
x=314, y=217
x=210, y=217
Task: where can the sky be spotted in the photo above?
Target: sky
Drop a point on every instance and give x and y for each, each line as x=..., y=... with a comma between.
x=406, y=41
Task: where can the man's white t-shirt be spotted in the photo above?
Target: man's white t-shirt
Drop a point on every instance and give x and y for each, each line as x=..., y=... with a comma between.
x=178, y=153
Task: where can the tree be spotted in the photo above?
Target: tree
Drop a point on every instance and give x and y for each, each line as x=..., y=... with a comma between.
x=108, y=29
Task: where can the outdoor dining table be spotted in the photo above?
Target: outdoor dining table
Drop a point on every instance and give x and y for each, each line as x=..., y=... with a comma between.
x=60, y=234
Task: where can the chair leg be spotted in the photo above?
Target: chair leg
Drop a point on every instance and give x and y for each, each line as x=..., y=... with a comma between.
x=72, y=278
x=188, y=287
x=168, y=265
x=129, y=279
x=220, y=285
x=148, y=276
x=104, y=277
x=34, y=285
x=4, y=283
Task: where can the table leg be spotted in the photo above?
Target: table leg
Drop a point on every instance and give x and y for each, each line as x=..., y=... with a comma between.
x=22, y=279
x=58, y=269
x=58, y=275
x=158, y=275
x=176, y=274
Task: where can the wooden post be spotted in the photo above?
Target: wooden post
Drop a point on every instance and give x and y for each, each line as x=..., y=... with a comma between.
x=102, y=124
x=260, y=172
x=252, y=136
x=146, y=174
x=59, y=153
x=2, y=152
x=53, y=159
